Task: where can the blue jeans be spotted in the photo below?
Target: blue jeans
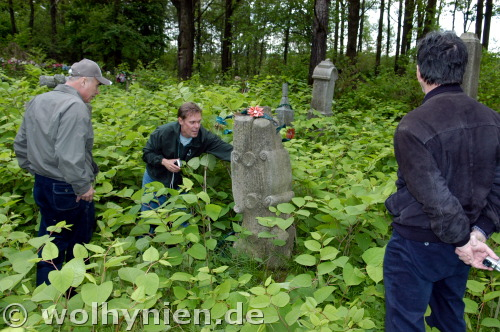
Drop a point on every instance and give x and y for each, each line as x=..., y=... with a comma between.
x=57, y=202
x=417, y=274
x=157, y=201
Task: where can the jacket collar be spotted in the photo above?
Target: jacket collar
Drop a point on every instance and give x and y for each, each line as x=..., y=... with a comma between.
x=455, y=87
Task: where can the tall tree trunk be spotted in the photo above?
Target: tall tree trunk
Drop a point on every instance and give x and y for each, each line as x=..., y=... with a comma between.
x=430, y=17
x=361, y=26
x=454, y=14
x=479, y=18
x=388, y=39
x=398, y=38
x=342, y=26
x=287, y=36
x=13, y=27
x=338, y=18
x=487, y=23
x=319, y=35
x=198, y=35
x=185, y=40
x=227, y=36
x=352, y=28
x=379, y=37
x=420, y=18
x=407, y=26
x=31, y=23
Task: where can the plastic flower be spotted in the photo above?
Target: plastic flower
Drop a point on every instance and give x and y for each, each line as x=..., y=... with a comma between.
x=256, y=111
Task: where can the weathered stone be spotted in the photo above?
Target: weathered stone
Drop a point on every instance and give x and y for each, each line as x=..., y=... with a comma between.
x=325, y=74
x=52, y=81
x=470, y=83
x=284, y=112
x=261, y=177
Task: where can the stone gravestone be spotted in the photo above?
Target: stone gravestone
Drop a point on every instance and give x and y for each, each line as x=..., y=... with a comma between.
x=325, y=74
x=52, y=81
x=471, y=77
x=284, y=112
x=261, y=177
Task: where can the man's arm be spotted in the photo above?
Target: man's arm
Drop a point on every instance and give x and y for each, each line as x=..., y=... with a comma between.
x=216, y=146
x=21, y=147
x=425, y=182
x=71, y=138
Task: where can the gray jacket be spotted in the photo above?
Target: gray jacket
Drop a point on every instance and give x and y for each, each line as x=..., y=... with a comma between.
x=56, y=137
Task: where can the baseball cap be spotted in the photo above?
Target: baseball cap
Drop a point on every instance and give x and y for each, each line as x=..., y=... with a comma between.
x=88, y=68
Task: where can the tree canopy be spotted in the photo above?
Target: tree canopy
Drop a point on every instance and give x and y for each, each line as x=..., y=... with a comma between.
x=232, y=37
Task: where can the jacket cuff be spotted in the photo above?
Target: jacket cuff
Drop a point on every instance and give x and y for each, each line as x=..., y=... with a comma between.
x=486, y=225
x=463, y=242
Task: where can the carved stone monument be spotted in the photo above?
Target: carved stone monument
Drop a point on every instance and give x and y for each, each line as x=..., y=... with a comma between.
x=52, y=81
x=261, y=177
x=284, y=112
x=470, y=84
x=325, y=74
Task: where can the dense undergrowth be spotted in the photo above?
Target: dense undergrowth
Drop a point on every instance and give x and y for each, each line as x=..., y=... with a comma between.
x=343, y=170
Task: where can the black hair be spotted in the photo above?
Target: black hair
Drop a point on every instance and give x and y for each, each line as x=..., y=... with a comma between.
x=442, y=58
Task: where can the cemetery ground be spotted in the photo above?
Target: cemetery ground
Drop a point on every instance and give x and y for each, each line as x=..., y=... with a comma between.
x=343, y=169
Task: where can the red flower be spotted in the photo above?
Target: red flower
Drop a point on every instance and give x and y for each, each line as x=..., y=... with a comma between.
x=290, y=133
x=256, y=111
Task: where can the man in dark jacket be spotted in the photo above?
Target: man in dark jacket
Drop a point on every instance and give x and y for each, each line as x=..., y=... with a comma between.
x=174, y=143
x=448, y=194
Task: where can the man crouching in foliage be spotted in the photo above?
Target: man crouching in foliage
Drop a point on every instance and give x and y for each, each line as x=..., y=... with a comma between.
x=448, y=194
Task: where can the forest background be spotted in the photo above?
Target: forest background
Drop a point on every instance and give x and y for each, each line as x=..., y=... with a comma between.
x=226, y=56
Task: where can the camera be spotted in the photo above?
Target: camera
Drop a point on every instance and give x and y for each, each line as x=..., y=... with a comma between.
x=490, y=262
x=178, y=162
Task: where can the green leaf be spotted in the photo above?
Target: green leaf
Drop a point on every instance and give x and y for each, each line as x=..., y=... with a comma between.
x=180, y=293
x=490, y=322
x=77, y=265
x=213, y=211
x=376, y=273
x=302, y=280
x=181, y=276
x=352, y=275
x=61, y=280
x=306, y=260
x=476, y=286
x=326, y=267
x=260, y=301
x=281, y=299
x=50, y=251
x=80, y=251
x=286, y=208
x=322, y=293
x=374, y=256
x=284, y=223
x=151, y=255
x=312, y=245
x=328, y=253
x=190, y=198
x=130, y=273
x=197, y=251
x=299, y=201
x=96, y=293
x=491, y=295
x=149, y=281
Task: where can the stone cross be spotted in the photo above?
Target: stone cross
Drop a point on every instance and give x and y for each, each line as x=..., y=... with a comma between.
x=325, y=74
x=261, y=177
x=284, y=111
x=470, y=83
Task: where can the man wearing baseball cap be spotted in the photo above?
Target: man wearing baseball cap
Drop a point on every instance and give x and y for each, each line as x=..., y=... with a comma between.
x=54, y=143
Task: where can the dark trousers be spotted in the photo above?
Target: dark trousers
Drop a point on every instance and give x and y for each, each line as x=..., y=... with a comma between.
x=418, y=274
x=57, y=202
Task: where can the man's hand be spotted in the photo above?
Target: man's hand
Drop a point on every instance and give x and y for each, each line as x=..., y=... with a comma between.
x=88, y=196
x=475, y=251
x=170, y=165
